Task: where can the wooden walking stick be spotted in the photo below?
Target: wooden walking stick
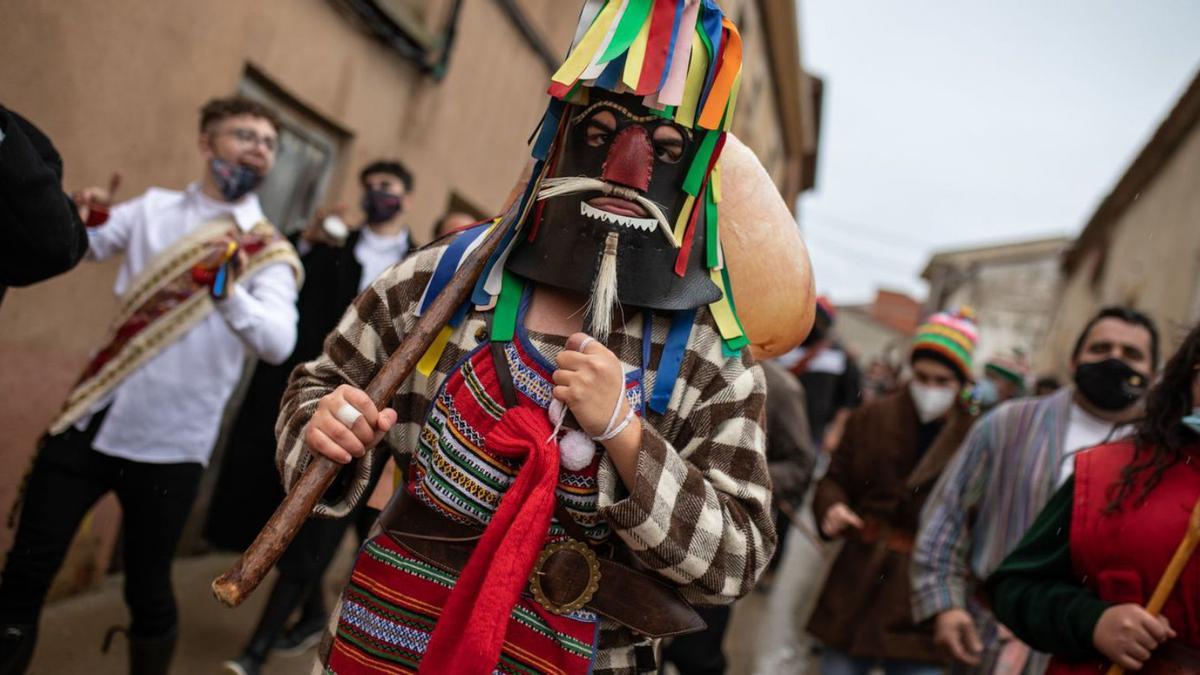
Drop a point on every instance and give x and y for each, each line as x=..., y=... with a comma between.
x=240, y=580
x=1175, y=568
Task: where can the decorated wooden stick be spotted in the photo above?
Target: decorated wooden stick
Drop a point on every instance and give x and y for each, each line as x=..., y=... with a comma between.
x=240, y=580
x=1175, y=568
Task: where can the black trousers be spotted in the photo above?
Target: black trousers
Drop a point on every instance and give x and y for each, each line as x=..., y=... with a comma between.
x=68, y=477
x=700, y=653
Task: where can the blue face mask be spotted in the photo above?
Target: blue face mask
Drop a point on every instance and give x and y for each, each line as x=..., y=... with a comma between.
x=234, y=180
x=1193, y=421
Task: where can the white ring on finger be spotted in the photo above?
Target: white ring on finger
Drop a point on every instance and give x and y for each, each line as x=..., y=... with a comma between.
x=348, y=415
x=586, y=341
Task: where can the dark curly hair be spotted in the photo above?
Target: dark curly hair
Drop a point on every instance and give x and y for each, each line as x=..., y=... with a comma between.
x=391, y=166
x=1161, y=436
x=1126, y=314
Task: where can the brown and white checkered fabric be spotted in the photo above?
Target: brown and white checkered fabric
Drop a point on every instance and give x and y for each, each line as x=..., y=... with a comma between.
x=699, y=514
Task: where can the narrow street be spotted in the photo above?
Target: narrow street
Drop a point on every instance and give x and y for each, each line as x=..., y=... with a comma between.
x=73, y=629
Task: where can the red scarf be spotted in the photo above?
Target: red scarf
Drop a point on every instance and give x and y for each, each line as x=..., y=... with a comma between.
x=470, y=631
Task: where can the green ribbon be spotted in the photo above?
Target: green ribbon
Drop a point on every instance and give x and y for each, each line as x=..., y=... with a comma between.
x=732, y=347
x=712, y=240
x=635, y=15
x=699, y=167
x=504, y=320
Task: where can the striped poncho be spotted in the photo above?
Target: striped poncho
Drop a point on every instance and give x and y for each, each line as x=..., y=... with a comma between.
x=699, y=515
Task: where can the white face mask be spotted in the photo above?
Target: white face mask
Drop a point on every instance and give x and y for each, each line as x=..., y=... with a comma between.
x=932, y=402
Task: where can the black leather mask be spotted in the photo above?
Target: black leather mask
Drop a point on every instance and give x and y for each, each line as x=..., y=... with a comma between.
x=616, y=139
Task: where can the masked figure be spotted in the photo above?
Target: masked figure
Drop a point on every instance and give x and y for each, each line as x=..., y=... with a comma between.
x=584, y=440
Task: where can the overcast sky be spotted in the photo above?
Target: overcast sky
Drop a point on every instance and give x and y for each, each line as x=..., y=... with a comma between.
x=950, y=124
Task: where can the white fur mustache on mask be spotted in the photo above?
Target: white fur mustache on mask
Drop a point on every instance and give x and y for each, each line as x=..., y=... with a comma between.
x=559, y=187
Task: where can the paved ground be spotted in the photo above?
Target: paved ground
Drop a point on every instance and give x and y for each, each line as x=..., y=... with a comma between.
x=72, y=629
x=764, y=635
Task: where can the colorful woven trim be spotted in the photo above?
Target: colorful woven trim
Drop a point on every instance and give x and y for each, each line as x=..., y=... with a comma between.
x=394, y=600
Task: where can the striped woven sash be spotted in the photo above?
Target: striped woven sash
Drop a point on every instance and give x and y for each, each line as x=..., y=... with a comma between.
x=164, y=302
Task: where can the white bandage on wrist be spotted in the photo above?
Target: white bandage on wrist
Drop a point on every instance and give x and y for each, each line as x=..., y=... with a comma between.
x=612, y=432
x=347, y=414
x=614, y=426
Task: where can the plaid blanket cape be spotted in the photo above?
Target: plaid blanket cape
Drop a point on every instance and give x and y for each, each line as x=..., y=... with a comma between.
x=699, y=514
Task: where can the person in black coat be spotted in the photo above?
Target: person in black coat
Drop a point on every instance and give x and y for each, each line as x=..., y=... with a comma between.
x=41, y=233
x=338, y=264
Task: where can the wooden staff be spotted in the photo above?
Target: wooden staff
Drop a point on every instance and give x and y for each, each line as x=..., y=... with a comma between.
x=1175, y=568
x=240, y=580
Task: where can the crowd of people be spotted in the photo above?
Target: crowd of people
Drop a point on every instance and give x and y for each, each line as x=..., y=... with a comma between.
x=588, y=466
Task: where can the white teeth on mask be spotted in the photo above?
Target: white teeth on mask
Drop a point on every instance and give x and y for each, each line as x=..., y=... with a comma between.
x=644, y=224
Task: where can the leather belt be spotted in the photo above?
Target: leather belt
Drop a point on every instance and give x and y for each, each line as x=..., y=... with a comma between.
x=893, y=540
x=567, y=577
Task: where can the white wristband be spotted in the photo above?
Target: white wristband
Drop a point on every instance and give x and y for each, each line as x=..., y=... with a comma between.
x=611, y=433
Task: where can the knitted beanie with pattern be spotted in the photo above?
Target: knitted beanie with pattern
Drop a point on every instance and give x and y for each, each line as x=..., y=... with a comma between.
x=949, y=337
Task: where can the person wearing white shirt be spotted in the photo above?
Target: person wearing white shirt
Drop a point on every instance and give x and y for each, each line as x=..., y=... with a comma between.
x=149, y=437
x=248, y=489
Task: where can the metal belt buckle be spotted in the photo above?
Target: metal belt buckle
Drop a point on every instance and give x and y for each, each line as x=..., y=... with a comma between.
x=568, y=547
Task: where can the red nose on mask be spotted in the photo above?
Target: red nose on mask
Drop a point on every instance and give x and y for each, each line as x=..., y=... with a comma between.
x=630, y=159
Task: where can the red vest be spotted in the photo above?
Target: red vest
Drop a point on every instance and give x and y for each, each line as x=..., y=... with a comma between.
x=1121, y=556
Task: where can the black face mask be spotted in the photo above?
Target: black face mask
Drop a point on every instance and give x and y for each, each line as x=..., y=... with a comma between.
x=1110, y=384
x=571, y=235
x=381, y=206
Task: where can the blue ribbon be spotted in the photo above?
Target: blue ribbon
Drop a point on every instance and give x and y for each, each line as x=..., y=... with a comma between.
x=672, y=359
x=448, y=264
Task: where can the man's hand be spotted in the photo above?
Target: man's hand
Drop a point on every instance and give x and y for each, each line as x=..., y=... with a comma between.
x=1127, y=634
x=93, y=202
x=331, y=437
x=837, y=518
x=955, y=632
x=591, y=383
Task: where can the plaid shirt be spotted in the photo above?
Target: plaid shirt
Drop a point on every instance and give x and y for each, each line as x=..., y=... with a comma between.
x=699, y=513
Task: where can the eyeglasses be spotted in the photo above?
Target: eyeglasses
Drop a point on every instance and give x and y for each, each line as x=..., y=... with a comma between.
x=251, y=138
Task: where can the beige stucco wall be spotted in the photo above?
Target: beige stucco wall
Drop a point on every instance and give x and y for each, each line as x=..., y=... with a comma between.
x=1152, y=262
x=868, y=339
x=117, y=86
x=756, y=121
x=1013, y=303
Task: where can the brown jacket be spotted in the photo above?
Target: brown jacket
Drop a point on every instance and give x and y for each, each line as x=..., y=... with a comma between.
x=865, y=608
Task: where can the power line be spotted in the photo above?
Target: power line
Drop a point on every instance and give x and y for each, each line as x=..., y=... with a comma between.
x=848, y=251
x=859, y=258
x=868, y=229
